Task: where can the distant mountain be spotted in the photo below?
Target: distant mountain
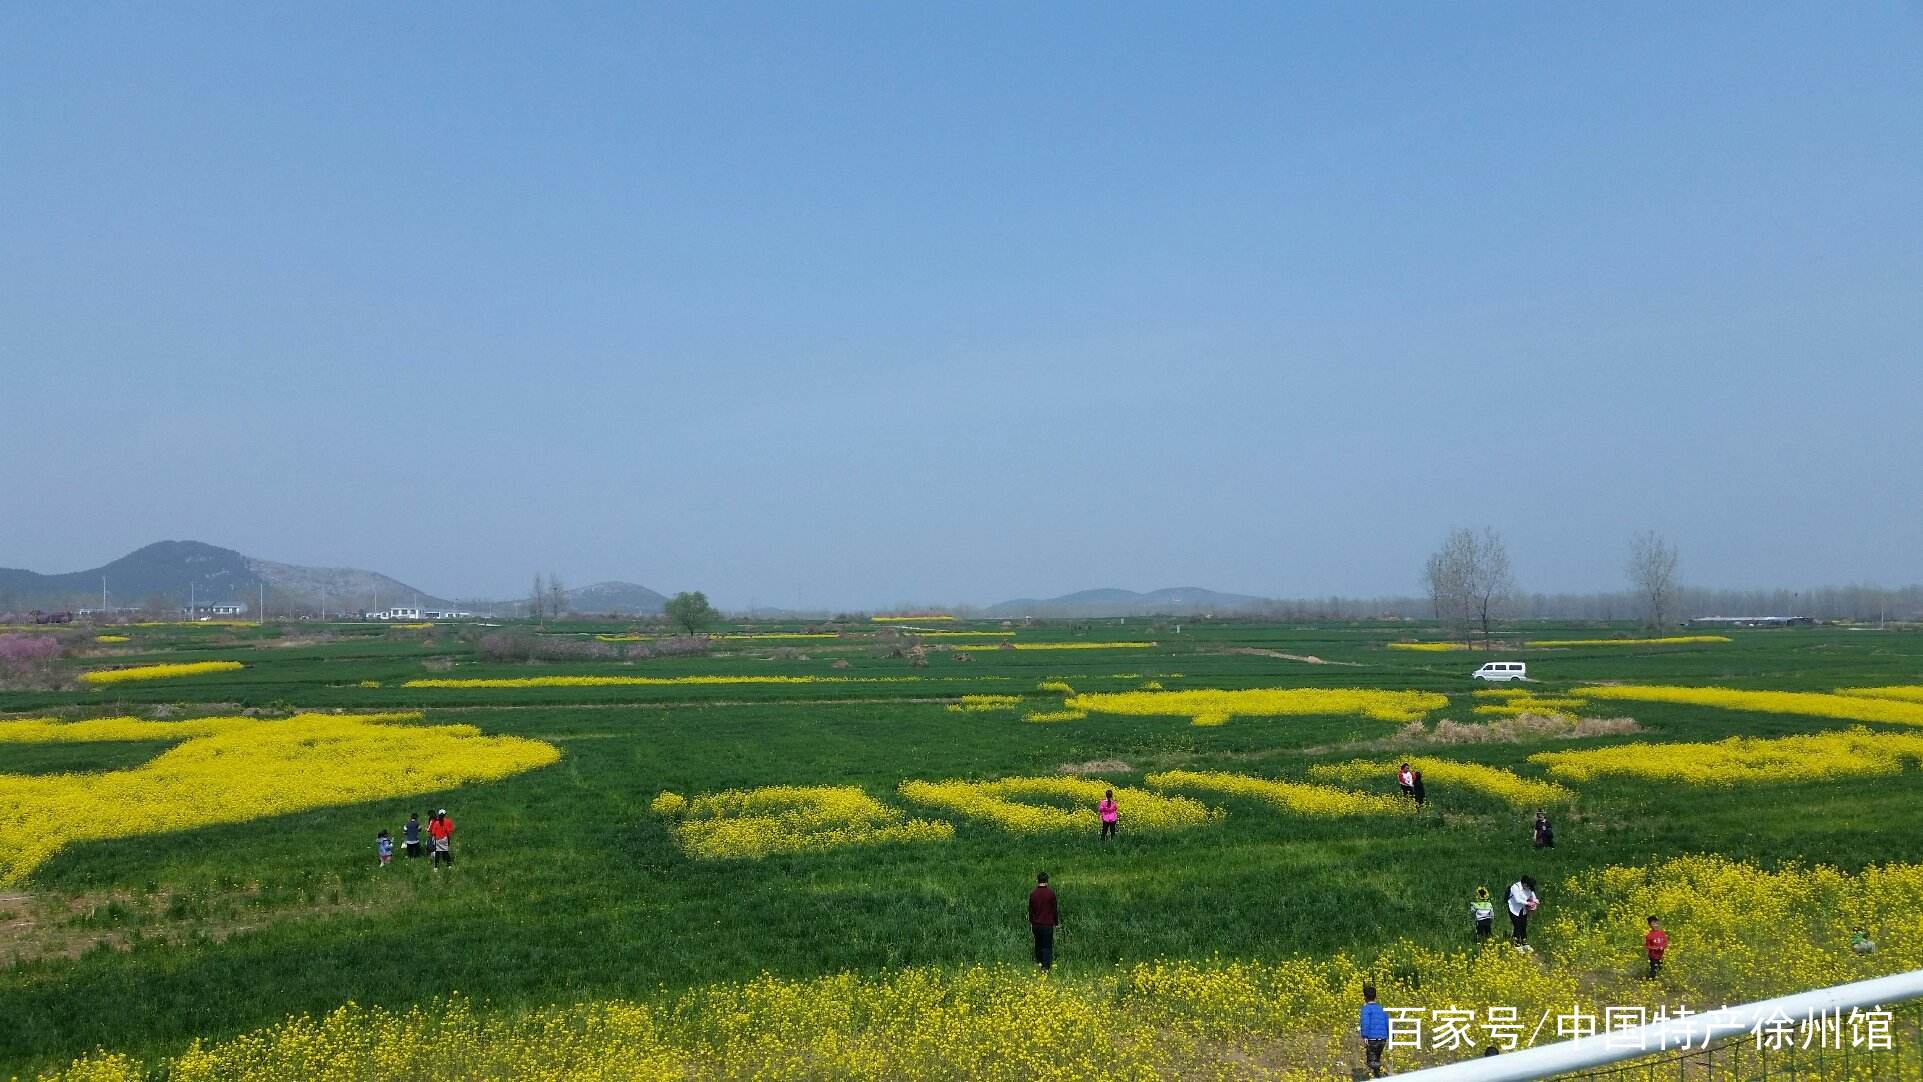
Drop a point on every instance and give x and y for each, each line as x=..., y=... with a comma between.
x=167, y=574
x=1109, y=601
x=625, y=598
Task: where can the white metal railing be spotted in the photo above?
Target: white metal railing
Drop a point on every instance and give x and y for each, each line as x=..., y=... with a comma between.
x=1693, y=1031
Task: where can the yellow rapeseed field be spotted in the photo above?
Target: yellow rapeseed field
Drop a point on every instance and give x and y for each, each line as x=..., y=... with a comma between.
x=232, y=769
x=645, y=681
x=1492, y=781
x=1812, y=703
x=931, y=616
x=1738, y=933
x=1059, y=646
x=1048, y=716
x=1436, y=647
x=111, y=638
x=1298, y=798
x=1035, y=805
x=158, y=672
x=748, y=824
x=1667, y=640
x=1909, y=693
x=1742, y=760
x=1214, y=707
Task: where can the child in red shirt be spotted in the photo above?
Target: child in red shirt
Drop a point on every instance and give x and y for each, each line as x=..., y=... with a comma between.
x=1655, y=942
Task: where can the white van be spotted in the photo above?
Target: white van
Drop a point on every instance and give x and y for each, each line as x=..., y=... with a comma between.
x=1503, y=670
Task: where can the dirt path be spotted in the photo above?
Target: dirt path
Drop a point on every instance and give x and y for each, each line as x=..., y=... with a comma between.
x=1306, y=659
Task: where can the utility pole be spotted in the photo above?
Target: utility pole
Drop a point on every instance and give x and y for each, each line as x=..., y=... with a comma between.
x=262, y=615
x=190, y=601
x=103, y=595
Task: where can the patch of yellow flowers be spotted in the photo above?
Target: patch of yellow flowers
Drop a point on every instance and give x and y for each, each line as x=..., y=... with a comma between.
x=111, y=638
x=158, y=672
x=1035, y=805
x=930, y=616
x=748, y=824
x=1531, y=704
x=645, y=681
x=233, y=769
x=1060, y=646
x=1432, y=647
x=1743, y=760
x=1491, y=781
x=1296, y=798
x=1046, y=717
x=975, y=704
x=1214, y=707
x=1847, y=707
x=1738, y=933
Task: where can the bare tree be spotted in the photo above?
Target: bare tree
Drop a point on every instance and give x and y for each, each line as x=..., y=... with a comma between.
x=537, y=598
x=1447, y=580
x=557, y=596
x=1652, y=577
x=1470, y=583
x=1493, y=585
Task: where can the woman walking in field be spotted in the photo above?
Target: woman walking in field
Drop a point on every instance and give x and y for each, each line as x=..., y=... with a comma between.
x=1110, y=813
x=1406, y=778
x=1544, y=835
x=1522, y=903
x=440, y=833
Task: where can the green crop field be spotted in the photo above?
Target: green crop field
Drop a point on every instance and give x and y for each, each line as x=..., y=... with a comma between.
x=147, y=906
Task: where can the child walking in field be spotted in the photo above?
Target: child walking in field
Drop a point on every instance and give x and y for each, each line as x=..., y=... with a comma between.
x=1655, y=942
x=1110, y=813
x=1374, y=1028
x=1544, y=834
x=384, y=846
x=1483, y=912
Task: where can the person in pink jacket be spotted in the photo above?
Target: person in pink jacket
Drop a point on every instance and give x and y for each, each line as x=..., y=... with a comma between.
x=1110, y=813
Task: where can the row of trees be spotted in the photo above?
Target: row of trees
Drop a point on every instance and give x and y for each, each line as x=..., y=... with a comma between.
x=1471, y=584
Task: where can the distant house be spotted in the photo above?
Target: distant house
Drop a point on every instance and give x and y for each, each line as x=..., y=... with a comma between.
x=1752, y=621
x=415, y=612
x=220, y=608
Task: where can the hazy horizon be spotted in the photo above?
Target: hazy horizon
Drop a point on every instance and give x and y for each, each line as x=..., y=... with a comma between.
x=836, y=308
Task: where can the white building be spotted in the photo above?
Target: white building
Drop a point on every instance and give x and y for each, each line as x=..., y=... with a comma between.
x=220, y=608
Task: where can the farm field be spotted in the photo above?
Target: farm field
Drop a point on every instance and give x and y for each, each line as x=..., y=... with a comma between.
x=806, y=854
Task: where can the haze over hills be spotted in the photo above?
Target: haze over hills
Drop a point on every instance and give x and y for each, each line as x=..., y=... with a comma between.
x=1109, y=601
x=167, y=574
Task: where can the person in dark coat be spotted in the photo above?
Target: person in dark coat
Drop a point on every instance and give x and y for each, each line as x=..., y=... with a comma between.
x=1043, y=916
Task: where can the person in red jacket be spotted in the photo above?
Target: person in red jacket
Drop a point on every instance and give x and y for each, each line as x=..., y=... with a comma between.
x=1655, y=942
x=1042, y=919
x=440, y=833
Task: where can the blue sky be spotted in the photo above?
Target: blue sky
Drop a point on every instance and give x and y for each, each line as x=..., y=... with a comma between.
x=847, y=305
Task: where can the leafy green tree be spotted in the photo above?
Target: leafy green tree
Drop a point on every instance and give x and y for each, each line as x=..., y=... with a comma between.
x=690, y=611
